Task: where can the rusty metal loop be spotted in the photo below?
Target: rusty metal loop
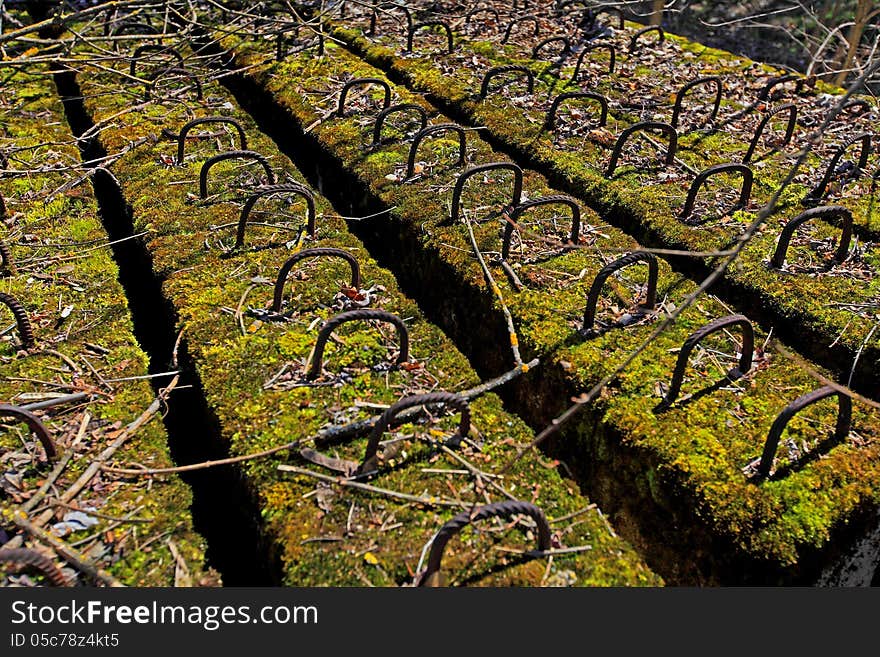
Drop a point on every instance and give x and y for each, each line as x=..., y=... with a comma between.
x=2, y=201
x=230, y=155
x=522, y=19
x=403, y=107
x=550, y=119
x=605, y=273
x=386, y=102
x=504, y=509
x=732, y=167
x=418, y=26
x=745, y=360
x=566, y=45
x=182, y=72
x=502, y=70
x=23, y=323
x=615, y=11
x=281, y=46
x=791, y=108
x=328, y=252
x=431, y=130
x=832, y=211
x=764, y=94
x=818, y=192
x=184, y=131
x=34, y=424
x=520, y=209
x=6, y=261
x=153, y=47
x=271, y=190
x=450, y=399
x=679, y=97
x=363, y=314
x=374, y=17
x=841, y=429
x=634, y=42
x=480, y=168
x=590, y=48
x=671, y=133
x=38, y=561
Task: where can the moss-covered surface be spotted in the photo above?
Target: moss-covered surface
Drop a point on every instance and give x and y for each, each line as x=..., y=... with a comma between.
x=686, y=464
x=67, y=280
x=251, y=371
x=834, y=306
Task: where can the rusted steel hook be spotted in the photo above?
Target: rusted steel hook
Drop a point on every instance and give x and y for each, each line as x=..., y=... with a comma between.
x=403, y=107
x=520, y=209
x=6, y=261
x=764, y=94
x=418, y=26
x=363, y=314
x=231, y=155
x=712, y=80
x=271, y=190
x=550, y=119
x=864, y=140
x=791, y=108
x=516, y=21
x=23, y=323
x=605, y=273
x=374, y=17
x=666, y=128
x=634, y=42
x=153, y=47
x=745, y=191
x=612, y=51
x=745, y=359
x=506, y=509
x=829, y=211
x=503, y=70
x=481, y=168
x=386, y=102
x=34, y=424
x=328, y=252
x=431, y=130
x=566, y=45
x=27, y=558
x=184, y=131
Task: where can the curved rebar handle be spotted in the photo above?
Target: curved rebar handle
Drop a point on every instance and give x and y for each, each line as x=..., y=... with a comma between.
x=566, y=45
x=745, y=359
x=605, y=273
x=153, y=47
x=480, y=168
x=231, y=155
x=634, y=42
x=2, y=201
x=670, y=132
x=841, y=430
x=403, y=107
x=550, y=119
x=6, y=261
x=38, y=561
x=791, y=108
x=328, y=252
x=182, y=72
x=363, y=314
x=270, y=190
x=609, y=10
x=820, y=189
x=502, y=70
x=23, y=323
x=844, y=214
x=536, y=202
x=374, y=17
x=34, y=424
x=184, y=131
x=450, y=399
x=504, y=509
x=386, y=102
x=418, y=26
x=713, y=80
x=745, y=191
x=764, y=94
x=612, y=51
x=431, y=130
x=522, y=19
